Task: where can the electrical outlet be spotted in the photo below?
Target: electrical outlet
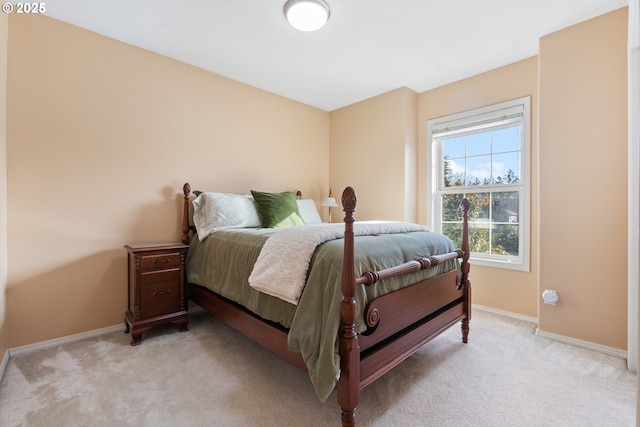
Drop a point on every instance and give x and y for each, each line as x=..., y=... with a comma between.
x=549, y=296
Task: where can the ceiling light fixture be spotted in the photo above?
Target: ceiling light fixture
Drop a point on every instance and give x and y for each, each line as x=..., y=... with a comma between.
x=306, y=15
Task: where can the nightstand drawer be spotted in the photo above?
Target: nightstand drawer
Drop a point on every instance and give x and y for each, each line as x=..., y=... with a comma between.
x=165, y=260
x=160, y=293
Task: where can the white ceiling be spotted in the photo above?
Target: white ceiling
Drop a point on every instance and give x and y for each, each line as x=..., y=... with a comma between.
x=368, y=47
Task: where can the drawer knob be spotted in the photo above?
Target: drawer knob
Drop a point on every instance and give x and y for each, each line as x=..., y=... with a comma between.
x=161, y=261
x=159, y=293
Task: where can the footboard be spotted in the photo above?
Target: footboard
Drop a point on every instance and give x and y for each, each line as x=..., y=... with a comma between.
x=393, y=312
x=401, y=322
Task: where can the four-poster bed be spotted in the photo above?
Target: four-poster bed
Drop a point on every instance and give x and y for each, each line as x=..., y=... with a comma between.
x=376, y=318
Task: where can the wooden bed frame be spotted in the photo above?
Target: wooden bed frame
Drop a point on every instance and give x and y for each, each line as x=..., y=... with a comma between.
x=399, y=323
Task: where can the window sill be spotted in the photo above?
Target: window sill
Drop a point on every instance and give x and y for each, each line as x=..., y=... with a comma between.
x=505, y=265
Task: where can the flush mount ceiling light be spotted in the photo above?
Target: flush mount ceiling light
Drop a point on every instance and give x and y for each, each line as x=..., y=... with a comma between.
x=306, y=15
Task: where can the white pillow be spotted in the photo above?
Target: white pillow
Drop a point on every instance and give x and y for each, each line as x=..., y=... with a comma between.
x=217, y=211
x=308, y=211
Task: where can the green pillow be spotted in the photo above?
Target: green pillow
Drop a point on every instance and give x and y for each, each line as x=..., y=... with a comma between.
x=277, y=210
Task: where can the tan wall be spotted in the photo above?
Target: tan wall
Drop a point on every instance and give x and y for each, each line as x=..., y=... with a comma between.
x=374, y=150
x=512, y=291
x=372, y=131
x=4, y=328
x=101, y=137
x=99, y=146
x=583, y=183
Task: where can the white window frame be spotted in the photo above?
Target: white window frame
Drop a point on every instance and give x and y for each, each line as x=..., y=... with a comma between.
x=474, y=119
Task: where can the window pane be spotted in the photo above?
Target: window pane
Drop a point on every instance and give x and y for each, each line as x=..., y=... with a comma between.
x=484, y=207
x=453, y=147
x=453, y=172
x=505, y=207
x=451, y=207
x=506, y=168
x=493, y=221
x=454, y=232
x=478, y=170
x=479, y=238
x=479, y=143
x=504, y=239
x=506, y=139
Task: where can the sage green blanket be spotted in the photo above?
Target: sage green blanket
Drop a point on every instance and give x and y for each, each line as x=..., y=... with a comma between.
x=223, y=262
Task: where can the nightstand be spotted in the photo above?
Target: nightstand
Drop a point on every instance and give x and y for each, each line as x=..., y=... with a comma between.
x=156, y=287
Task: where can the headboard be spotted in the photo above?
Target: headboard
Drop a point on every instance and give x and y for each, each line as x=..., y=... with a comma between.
x=187, y=221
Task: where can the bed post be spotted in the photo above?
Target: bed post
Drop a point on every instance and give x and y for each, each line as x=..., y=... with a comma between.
x=186, y=189
x=349, y=383
x=465, y=283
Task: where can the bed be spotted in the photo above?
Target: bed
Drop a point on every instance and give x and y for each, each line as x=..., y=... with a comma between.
x=351, y=300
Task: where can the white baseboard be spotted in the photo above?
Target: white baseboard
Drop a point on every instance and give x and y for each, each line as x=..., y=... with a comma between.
x=77, y=337
x=197, y=310
x=555, y=337
x=3, y=364
x=67, y=339
x=505, y=313
x=583, y=344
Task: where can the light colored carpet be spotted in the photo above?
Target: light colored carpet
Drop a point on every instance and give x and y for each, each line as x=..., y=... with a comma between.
x=212, y=376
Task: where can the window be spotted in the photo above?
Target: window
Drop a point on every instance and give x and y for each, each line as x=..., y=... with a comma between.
x=483, y=155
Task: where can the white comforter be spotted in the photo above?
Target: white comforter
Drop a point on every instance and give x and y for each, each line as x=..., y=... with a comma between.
x=281, y=267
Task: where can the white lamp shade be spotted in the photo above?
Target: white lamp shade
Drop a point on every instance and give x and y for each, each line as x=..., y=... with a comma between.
x=331, y=202
x=306, y=15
